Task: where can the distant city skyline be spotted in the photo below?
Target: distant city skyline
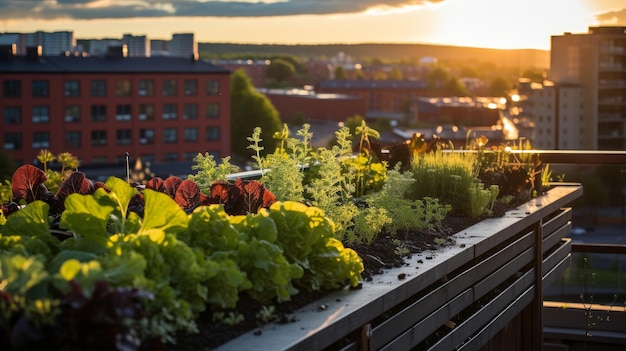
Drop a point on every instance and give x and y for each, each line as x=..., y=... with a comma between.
x=503, y=24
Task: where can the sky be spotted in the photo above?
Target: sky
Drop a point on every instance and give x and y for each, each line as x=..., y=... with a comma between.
x=502, y=24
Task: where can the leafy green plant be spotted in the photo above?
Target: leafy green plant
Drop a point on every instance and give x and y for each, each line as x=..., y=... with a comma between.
x=267, y=313
x=401, y=249
x=187, y=262
x=287, y=164
x=407, y=215
x=208, y=171
x=481, y=200
x=6, y=192
x=307, y=238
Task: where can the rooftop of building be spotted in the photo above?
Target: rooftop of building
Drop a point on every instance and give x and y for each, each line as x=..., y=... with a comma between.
x=10, y=63
x=455, y=101
x=307, y=94
x=369, y=84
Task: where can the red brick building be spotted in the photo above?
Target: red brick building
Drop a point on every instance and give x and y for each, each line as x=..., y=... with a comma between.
x=314, y=106
x=162, y=109
x=391, y=97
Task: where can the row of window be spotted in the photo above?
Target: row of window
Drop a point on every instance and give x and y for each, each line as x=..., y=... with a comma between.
x=123, y=112
x=123, y=87
x=73, y=139
x=149, y=158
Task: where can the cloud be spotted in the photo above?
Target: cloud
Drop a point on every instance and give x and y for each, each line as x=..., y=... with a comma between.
x=616, y=17
x=94, y=9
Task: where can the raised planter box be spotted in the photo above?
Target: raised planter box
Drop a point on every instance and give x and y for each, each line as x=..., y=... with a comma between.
x=458, y=297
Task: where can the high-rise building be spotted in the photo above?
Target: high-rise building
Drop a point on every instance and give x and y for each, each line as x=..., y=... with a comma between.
x=137, y=45
x=558, y=114
x=52, y=43
x=183, y=45
x=596, y=61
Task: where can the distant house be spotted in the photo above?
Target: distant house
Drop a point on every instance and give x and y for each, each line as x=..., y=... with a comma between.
x=382, y=97
x=162, y=109
x=256, y=70
x=463, y=111
x=314, y=106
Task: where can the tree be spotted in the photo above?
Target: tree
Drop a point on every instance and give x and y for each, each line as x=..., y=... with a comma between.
x=340, y=73
x=534, y=74
x=455, y=87
x=499, y=86
x=7, y=167
x=395, y=74
x=250, y=109
x=436, y=77
x=280, y=70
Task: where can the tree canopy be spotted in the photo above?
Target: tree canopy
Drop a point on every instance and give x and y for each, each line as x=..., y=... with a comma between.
x=499, y=86
x=7, y=167
x=280, y=70
x=250, y=109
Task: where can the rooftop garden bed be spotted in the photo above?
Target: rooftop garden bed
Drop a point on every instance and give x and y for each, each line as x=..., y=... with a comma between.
x=182, y=263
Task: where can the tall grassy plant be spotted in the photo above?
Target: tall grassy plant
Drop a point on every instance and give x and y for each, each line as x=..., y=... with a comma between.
x=444, y=176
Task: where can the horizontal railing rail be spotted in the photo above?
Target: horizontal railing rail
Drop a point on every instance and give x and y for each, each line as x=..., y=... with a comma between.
x=600, y=248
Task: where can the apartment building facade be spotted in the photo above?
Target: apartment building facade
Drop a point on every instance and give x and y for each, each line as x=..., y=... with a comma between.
x=51, y=43
x=161, y=109
x=183, y=45
x=596, y=61
x=558, y=114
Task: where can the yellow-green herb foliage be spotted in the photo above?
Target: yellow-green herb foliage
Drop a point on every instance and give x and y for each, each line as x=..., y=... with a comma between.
x=446, y=176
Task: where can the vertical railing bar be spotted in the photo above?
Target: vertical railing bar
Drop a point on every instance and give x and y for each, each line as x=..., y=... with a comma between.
x=537, y=303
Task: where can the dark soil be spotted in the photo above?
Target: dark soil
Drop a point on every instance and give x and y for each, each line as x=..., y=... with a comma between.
x=376, y=257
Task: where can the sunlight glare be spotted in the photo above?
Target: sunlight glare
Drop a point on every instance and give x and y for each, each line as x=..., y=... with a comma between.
x=507, y=23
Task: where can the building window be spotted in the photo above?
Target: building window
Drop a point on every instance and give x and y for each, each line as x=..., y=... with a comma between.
x=12, y=89
x=169, y=135
x=169, y=111
x=122, y=87
x=98, y=138
x=122, y=113
x=191, y=111
x=169, y=87
x=41, y=140
x=40, y=88
x=212, y=133
x=99, y=160
x=189, y=156
x=191, y=134
x=146, y=136
x=13, y=115
x=213, y=87
x=98, y=88
x=212, y=110
x=146, y=87
x=72, y=88
x=98, y=113
x=72, y=114
x=41, y=114
x=13, y=141
x=147, y=158
x=170, y=157
x=72, y=139
x=123, y=136
x=120, y=159
x=146, y=112
x=191, y=87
